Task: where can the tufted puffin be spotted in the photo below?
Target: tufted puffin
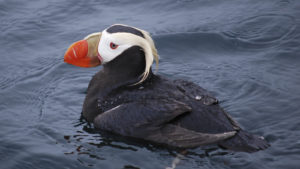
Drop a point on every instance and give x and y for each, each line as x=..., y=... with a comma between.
x=126, y=98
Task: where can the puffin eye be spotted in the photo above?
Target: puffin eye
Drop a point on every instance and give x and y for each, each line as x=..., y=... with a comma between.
x=113, y=46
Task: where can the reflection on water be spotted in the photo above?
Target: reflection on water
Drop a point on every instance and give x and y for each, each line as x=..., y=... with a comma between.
x=87, y=142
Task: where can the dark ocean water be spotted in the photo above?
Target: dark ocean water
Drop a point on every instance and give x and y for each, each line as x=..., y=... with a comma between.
x=246, y=52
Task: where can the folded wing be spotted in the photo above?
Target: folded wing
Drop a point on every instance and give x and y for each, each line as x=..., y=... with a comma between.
x=150, y=120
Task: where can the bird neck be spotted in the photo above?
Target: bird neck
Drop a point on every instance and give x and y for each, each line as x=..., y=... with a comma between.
x=123, y=71
x=127, y=68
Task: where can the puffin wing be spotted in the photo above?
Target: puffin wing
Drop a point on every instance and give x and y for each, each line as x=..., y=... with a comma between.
x=177, y=136
x=140, y=117
x=150, y=120
x=195, y=91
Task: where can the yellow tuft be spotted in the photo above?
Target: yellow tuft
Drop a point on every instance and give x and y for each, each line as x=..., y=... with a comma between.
x=149, y=55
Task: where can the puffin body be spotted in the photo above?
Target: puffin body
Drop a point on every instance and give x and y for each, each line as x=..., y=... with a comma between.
x=126, y=98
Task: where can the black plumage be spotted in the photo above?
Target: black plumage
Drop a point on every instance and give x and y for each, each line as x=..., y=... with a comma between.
x=124, y=28
x=177, y=113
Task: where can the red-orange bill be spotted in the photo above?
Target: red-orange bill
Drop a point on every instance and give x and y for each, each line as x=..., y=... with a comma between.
x=77, y=54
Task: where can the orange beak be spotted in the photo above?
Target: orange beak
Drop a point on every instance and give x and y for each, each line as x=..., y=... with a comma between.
x=84, y=53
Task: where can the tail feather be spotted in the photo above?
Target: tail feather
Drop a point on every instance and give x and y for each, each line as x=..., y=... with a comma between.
x=244, y=141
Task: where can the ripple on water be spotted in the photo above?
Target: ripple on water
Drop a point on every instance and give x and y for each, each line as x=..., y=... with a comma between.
x=263, y=29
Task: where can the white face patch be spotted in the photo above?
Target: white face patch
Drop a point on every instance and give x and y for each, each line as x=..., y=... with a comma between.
x=121, y=42
x=106, y=51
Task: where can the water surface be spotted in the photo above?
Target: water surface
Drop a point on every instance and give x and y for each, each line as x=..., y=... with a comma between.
x=246, y=53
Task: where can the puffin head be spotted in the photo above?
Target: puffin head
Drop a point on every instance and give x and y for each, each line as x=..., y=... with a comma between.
x=102, y=47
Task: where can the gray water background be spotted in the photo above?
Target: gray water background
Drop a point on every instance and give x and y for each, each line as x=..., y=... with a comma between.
x=245, y=52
